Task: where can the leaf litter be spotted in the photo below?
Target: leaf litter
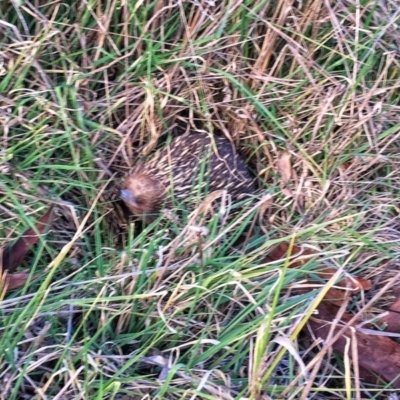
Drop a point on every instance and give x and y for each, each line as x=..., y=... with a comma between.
x=13, y=255
x=340, y=122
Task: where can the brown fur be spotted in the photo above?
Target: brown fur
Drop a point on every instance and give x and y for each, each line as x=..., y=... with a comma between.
x=147, y=194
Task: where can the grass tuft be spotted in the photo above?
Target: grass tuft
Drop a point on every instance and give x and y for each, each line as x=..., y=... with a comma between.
x=120, y=312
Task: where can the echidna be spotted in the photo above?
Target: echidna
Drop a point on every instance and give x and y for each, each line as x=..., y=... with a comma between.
x=190, y=165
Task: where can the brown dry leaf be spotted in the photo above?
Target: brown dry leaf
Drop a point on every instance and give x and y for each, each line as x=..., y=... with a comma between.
x=287, y=192
x=16, y=280
x=285, y=166
x=375, y=353
x=333, y=295
x=392, y=319
x=349, y=282
x=13, y=255
x=336, y=296
x=355, y=283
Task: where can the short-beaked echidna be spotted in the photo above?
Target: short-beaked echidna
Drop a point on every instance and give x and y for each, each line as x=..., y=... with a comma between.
x=191, y=165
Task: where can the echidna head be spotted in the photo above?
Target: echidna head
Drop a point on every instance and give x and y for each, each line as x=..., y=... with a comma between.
x=142, y=194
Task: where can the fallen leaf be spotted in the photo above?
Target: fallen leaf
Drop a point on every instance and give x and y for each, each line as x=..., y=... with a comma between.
x=282, y=252
x=392, y=319
x=16, y=280
x=285, y=166
x=287, y=192
x=336, y=296
x=13, y=255
x=351, y=282
x=378, y=354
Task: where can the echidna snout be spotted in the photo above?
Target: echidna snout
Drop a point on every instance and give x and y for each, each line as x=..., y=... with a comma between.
x=142, y=194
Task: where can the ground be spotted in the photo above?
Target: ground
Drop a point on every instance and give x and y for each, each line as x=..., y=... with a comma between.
x=307, y=91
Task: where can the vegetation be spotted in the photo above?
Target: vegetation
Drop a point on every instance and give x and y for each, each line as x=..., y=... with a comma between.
x=163, y=312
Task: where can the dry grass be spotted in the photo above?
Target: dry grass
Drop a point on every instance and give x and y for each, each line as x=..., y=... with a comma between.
x=88, y=88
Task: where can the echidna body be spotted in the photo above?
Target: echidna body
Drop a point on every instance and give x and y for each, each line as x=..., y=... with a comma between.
x=191, y=165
